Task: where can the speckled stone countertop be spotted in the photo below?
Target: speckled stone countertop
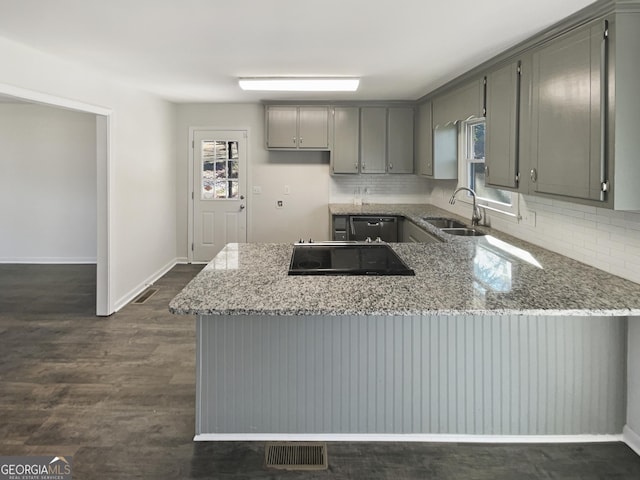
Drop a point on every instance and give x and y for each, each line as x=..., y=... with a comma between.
x=492, y=274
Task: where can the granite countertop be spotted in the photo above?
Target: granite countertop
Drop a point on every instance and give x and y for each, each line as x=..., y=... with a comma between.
x=492, y=274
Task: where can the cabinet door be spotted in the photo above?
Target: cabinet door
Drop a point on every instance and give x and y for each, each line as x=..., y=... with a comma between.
x=282, y=126
x=502, y=127
x=411, y=233
x=346, y=137
x=313, y=129
x=424, y=153
x=373, y=139
x=400, y=140
x=567, y=108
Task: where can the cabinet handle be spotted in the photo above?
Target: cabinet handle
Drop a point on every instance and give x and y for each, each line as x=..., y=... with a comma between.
x=486, y=170
x=391, y=166
x=534, y=175
x=301, y=140
x=355, y=166
x=364, y=166
x=604, y=107
x=294, y=140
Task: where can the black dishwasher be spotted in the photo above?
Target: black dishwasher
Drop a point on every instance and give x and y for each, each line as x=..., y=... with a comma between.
x=361, y=228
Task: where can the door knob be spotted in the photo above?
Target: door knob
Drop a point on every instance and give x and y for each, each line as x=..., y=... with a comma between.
x=241, y=197
x=242, y=207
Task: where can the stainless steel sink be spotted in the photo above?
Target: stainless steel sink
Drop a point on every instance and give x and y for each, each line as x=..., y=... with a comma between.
x=465, y=232
x=444, y=222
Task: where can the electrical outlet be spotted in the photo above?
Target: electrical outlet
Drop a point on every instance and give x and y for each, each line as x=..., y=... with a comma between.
x=257, y=190
x=279, y=204
x=529, y=218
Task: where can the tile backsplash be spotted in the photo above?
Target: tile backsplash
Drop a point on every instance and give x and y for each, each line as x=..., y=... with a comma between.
x=378, y=189
x=603, y=238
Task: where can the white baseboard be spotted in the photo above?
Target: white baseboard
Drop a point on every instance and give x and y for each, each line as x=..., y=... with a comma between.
x=182, y=260
x=631, y=438
x=51, y=260
x=418, y=437
x=134, y=292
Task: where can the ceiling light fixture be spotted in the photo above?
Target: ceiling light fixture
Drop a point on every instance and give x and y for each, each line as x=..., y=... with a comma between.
x=300, y=84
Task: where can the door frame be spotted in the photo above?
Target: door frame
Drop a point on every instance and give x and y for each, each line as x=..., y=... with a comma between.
x=190, y=176
x=104, y=301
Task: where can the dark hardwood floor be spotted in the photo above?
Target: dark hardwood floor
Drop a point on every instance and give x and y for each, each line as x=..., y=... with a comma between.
x=118, y=393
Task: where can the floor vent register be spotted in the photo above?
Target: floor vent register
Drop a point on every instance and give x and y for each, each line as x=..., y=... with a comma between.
x=144, y=296
x=296, y=455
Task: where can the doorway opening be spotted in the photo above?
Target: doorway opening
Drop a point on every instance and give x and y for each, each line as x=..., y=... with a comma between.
x=103, y=301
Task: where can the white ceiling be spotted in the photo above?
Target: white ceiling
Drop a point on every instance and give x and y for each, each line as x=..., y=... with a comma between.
x=194, y=50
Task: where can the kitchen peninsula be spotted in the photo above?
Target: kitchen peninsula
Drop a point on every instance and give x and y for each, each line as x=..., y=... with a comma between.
x=492, y=336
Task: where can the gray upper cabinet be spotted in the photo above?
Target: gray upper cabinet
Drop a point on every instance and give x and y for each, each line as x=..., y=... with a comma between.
x=569, y=115
x=313, y=128
x=400, y=140
x=282, y=127
x=459, y=104
x=424, y=143
x=503, y=126
x=373, y=139
x=297, y=127
x=346, y=140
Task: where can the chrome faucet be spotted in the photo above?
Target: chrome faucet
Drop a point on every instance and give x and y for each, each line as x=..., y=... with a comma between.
x=476, y=216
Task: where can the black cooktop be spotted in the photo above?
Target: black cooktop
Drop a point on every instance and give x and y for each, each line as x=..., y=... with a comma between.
x=346, y=258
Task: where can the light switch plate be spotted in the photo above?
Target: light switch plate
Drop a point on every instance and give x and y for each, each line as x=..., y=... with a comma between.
x=287, y=189
x=257, y=190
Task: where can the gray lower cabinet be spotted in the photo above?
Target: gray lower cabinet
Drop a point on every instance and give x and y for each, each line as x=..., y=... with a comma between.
x=373, y=139
x=411, y=233
x=502, y=135
x=346, y=140
x=292, y=127
x=400, y=140
x=339, y=228
x=570, y=115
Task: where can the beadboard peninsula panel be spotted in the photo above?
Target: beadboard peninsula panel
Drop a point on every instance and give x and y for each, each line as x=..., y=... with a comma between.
x=484, y=375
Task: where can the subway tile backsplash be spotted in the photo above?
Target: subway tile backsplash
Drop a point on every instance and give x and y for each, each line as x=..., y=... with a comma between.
x=378, y=189
x=603, y=238
x=606, y=239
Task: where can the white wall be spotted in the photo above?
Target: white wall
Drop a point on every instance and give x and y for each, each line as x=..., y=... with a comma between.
x=305, y=213
x=141, y=189
x=48, y=185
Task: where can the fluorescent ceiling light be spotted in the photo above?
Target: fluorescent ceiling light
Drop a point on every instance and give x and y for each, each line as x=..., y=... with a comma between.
x=300, y=84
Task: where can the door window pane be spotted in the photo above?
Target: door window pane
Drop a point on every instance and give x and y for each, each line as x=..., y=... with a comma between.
x=220, y=170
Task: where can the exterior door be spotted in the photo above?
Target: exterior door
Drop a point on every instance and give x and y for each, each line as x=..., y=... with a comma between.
x=219, y=197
